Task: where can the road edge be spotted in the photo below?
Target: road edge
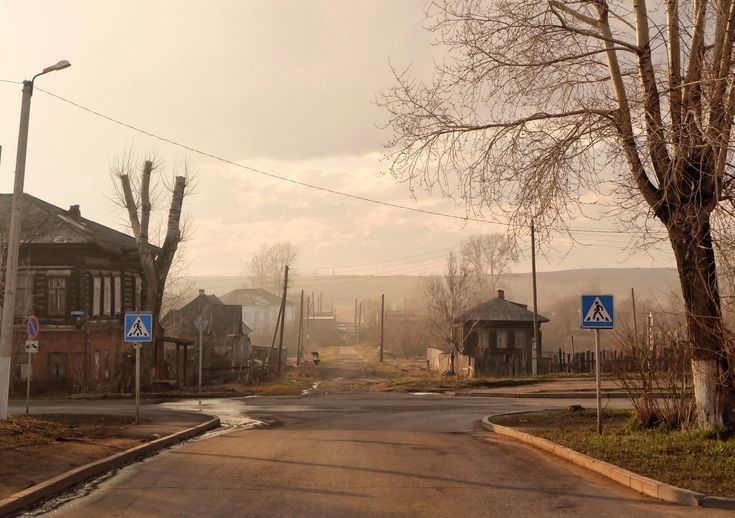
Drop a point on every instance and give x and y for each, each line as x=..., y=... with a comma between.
x=639, y=483
x=59, y=483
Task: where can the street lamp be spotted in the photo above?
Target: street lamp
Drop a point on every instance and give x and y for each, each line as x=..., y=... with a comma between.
x=11, y=270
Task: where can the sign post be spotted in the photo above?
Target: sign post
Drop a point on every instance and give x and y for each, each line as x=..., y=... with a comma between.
x=34, y=328
x=597, y=312
x=201, y=325
x=138, y=330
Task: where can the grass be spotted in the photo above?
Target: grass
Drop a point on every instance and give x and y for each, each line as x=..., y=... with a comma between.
x=688, y=459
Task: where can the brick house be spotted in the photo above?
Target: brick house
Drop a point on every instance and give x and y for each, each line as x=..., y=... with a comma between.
x=79, y=278
x=499, y=336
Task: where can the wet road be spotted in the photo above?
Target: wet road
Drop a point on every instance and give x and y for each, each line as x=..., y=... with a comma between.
x=361, y=455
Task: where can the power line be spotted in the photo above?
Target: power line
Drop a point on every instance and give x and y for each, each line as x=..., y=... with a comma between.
x=260, y=171
x=291, y=180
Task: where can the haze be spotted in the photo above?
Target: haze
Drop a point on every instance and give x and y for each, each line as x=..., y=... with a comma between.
x=283, y=86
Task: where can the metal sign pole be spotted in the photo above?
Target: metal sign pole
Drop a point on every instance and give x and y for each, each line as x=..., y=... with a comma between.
x=28, y=381
x=137, y=383
x=201, y=339
x=597, y=380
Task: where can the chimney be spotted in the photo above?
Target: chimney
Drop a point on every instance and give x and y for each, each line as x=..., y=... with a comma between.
x=75, y=213
x=501, y=294
x=201, y=292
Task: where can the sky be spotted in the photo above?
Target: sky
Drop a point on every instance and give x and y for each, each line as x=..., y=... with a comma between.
x=286, y=87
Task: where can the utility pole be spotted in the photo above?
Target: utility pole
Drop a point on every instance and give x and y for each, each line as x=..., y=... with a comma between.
x=11, y=269
x=635, y=319
x=382, y=326
x=359, y=321
x=536, y=352
x=283, y=316
x=355, y=328
x=301, y=329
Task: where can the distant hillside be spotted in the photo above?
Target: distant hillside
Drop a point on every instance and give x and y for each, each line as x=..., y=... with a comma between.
x=342, y=290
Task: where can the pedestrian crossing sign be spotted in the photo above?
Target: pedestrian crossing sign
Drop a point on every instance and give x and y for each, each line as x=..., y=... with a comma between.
x=597, y=312
x=138, y=327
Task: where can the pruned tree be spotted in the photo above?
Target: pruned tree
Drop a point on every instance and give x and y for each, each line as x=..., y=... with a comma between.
x=489, y=258
x=541, y=102
x=139, y=193
x=448, y=296
x=267, y=264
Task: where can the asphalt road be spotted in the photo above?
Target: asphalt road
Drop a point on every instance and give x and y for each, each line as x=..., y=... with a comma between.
x=360, y=455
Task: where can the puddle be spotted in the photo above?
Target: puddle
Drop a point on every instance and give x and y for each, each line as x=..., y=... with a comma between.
x=313, y=389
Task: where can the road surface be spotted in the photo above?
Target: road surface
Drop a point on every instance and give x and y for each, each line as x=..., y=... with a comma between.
x=360, y=455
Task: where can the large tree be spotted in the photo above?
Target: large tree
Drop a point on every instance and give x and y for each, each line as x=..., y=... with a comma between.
x=447, y=297
x=540, y=103
x=267, y=265
x=489, y=257
x=139, y=193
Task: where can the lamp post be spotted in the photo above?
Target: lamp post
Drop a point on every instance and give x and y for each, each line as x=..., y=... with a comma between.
x=11, y=270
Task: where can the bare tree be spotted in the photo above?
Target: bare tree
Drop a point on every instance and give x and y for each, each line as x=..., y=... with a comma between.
x=489, y=257
x=267, y=264
x=540, y=102
x=448, y=296
x=139, y=193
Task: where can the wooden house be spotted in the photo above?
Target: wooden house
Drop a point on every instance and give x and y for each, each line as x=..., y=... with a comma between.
x=79, y=278
x=498, y=336
x=225, y=339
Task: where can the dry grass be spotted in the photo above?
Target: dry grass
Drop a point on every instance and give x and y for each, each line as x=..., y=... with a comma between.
x=688, y=459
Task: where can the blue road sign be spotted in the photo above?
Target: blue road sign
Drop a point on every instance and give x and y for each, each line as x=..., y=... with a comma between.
x=597, y=312
x=33, y=327
x=138, y=327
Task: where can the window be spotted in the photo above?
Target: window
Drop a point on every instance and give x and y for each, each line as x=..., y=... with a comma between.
x=24, y=295
x=96, y=296
x=57, y=295
x=118, y=297
x=502, y=340
x=106, y=364
x=107, y=297
x=56, y=366
x=97, y=365
x=521, y=339
x=483, y=338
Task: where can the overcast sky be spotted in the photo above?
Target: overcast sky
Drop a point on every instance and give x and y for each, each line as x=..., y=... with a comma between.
x=284, y=86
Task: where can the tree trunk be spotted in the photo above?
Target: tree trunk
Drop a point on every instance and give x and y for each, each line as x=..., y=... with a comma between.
x=691, y=240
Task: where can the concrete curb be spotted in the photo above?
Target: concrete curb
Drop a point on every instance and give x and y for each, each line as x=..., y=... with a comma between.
x=645, y=485
x=59, y=483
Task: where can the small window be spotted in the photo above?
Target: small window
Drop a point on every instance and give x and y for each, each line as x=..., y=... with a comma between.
x=521, y=339
x=118, y=297
x=57, y=295
x=96, y=296
x=24, y=295
x=502, y=341
x=56, y=368
x=107, y=297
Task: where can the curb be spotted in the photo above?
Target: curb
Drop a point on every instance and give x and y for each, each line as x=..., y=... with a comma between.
x=59, y=483
x=639, y=483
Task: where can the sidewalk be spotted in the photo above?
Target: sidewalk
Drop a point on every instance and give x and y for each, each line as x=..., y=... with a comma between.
x=62, y=435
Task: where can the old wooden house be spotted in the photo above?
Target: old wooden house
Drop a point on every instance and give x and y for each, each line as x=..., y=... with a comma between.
x=79, y=278
x=225, y=340
x=498, y=337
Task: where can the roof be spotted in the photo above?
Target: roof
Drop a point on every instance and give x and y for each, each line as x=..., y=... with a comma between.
x=251, y=297
x=222, y=319
x=500, y=310
x=46, y=224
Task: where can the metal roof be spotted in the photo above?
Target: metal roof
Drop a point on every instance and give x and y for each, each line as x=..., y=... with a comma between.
x=500, y=310
x=251, y=297
x=46, y=224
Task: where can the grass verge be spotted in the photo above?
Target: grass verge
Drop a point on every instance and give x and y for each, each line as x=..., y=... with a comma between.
x=688, y=459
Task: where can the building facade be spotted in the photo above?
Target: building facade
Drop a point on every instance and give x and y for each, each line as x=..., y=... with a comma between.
x=79, y=278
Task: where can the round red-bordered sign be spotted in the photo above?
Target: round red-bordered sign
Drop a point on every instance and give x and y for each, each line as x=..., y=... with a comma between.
x=34, y=327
